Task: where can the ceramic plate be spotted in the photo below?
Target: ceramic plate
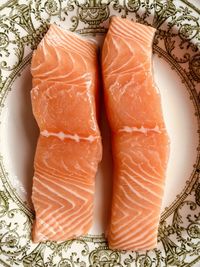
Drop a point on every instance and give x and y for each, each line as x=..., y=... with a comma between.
x=177, y=73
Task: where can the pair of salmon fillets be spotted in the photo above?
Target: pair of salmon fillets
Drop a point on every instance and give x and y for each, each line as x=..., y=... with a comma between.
x=64, y=100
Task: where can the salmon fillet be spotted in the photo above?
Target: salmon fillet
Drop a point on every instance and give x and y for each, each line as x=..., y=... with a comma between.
x=140, y=142
x=64, y=96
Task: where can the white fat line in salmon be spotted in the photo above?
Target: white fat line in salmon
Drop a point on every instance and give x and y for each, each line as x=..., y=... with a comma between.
x=142, y=129
x=74, y=137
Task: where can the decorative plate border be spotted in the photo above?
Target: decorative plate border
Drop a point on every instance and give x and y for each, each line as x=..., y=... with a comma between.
x=22, y=25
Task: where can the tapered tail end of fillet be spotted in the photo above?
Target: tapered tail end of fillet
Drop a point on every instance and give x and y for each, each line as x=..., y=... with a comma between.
x=38, y=237
x=58, y=232
x=134, y=245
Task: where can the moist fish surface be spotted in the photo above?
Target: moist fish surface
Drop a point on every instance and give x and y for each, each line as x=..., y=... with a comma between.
x=64, y=98
x=140, y=143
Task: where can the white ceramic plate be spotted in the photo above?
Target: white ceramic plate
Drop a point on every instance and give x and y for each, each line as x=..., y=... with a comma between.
x=177, y=73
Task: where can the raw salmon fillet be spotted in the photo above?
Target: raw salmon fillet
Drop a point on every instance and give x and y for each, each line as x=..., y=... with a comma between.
x=140, y=143
x=64, y=96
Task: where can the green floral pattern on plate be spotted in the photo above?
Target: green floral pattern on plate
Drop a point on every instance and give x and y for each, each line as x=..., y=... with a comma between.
x=22, y=26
